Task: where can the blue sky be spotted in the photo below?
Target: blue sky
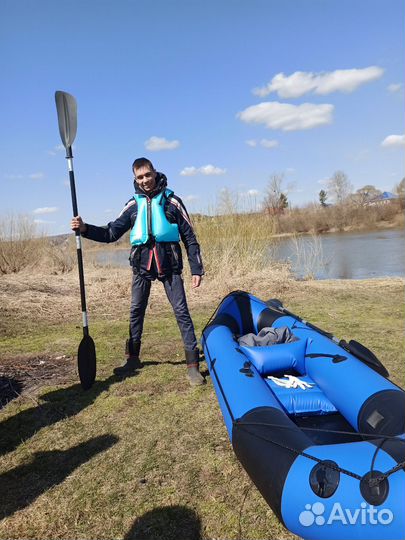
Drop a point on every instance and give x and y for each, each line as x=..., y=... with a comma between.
x=218, y=94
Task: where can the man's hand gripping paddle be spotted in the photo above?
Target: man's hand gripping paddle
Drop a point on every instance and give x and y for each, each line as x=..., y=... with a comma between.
x=67, y=118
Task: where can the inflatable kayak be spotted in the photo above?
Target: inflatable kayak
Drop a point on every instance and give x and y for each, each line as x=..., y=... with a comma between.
x=315, y=421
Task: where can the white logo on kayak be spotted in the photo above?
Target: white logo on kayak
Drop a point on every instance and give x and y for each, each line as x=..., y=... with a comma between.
x=365, y=515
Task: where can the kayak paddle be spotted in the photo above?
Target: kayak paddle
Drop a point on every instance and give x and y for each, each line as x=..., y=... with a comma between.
x=67, y=119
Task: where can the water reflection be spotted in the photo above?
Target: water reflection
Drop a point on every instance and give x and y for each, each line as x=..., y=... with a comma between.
x=329, y=256
x=347, y=255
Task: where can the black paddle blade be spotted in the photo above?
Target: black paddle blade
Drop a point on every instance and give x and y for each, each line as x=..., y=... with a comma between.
x=86, y=362
x=368, y=357
x=67, y=117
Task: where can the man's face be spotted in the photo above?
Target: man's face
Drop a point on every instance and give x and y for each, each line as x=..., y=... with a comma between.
x=145, y=178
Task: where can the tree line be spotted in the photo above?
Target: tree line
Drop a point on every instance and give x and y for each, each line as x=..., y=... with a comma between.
x=338, y=189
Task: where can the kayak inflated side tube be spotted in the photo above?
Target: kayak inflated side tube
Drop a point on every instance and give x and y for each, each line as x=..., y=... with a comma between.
x=365, y=398
x=343, y=514
x=264, y=432
x=240, y=388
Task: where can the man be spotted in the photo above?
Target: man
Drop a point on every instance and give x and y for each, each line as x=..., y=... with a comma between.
x=158, y=220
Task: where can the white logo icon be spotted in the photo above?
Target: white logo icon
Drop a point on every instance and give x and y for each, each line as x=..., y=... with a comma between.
x=312, y=514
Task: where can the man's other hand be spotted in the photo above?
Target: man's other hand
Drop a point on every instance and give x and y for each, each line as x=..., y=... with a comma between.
x=195, y=281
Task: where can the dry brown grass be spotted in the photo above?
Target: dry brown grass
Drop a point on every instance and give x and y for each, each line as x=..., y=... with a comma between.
x=317, y=219
x=40, y=297
x=20, y=246
x=23, y=247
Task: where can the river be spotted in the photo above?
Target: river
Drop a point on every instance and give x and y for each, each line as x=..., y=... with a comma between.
x=358, y=255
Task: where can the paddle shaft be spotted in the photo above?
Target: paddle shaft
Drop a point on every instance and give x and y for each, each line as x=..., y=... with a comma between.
x=69, y=157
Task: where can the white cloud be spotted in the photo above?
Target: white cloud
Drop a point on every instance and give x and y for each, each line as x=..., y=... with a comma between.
x=33, y=176
x=36, y=176
x=207, y=170
x=211, y=170
x=189, y=171
x=394, y=140
x=45, y=210
x=267, y=143
x=43, y=222
x=287, y=117
x=56, y=149
x=394, y=87
x=190, y=198
x=154, y=144
x=302, y=82
x=324, y=181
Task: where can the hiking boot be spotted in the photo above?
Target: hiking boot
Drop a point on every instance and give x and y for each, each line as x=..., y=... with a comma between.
x=129, y=368
x=194, y=376
x=133, y=362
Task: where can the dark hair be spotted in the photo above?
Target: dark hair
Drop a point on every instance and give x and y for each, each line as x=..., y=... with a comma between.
x=142, y=162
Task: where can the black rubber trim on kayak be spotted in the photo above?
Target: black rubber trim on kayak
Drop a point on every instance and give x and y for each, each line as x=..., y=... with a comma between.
x=267, y=318
x=268, y=462
x=209, y=322
x=242, y=300
x=383, y=413
x=224, y=319
x=213, y=370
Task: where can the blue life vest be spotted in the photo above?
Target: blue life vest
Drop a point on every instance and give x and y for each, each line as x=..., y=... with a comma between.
x=151, y=221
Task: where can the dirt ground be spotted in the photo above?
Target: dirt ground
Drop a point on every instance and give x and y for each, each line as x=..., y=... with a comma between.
x=24, y=375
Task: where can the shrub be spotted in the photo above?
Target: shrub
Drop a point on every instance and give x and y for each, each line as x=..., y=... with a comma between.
x=20, y=246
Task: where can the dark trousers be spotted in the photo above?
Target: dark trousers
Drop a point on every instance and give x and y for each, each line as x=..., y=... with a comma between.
x=176, y=295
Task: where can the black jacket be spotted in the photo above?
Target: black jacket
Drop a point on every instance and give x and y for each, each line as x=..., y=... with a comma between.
x=160, y=259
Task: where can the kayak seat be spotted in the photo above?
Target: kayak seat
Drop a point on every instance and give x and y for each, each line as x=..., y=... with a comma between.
x=308, y=400
x=277, y=358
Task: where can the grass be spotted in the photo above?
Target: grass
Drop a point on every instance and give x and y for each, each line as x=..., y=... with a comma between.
x=147, y=457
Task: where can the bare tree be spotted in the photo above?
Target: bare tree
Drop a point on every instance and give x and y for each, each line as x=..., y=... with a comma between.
x=340, y=187
x=365, y=194
x=228, y=202
x=399, y=189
